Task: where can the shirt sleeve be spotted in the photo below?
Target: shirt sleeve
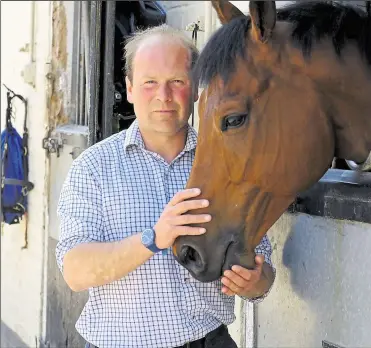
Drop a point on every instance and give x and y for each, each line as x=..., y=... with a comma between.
x=264, y=248
x=79, y=210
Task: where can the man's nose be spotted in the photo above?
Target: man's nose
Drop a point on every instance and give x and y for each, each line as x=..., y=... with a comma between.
x=164, y=93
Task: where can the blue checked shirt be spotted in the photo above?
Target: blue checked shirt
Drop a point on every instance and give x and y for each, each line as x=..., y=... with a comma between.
x=115, y=189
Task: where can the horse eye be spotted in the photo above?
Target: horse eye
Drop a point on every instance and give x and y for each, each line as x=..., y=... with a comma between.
x=233, y=121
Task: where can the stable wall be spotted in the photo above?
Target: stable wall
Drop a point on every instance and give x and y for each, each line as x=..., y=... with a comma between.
x=25, y=47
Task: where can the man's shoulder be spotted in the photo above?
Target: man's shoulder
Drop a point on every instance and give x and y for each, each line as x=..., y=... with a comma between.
x=107, y=149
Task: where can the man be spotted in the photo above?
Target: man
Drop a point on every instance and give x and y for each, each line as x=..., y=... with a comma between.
x=195, y=30
x=130, y=185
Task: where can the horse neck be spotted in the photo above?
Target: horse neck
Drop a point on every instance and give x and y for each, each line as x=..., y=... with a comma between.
x=346, y=93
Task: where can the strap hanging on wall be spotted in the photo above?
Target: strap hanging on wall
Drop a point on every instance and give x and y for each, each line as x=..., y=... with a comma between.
x=15, y=185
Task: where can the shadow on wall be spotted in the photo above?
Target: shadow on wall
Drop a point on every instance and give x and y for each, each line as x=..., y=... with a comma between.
x=9, y=339
x=327, y=261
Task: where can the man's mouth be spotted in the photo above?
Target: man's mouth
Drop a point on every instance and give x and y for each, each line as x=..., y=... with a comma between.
x=165, y=111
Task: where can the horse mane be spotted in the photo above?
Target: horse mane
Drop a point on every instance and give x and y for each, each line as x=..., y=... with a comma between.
x=311, y=22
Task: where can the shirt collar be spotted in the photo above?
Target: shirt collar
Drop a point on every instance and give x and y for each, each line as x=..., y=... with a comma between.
x=191, y=139
x=134, y=137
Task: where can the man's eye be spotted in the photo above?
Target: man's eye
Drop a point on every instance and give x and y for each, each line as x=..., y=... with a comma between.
x=178, y=81
x=150, y=82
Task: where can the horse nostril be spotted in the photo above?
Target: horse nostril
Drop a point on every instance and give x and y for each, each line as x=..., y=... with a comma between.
x=190, y=256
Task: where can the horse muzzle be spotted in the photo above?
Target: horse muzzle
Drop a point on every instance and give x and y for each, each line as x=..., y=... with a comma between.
x=207, y=260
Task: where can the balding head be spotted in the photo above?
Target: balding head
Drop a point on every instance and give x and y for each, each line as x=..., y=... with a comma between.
x=160, y=35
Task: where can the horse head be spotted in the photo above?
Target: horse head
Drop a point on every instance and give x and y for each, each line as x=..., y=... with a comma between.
x=285, y=91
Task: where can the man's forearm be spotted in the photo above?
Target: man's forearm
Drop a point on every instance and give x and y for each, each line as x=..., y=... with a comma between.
x=94, y=264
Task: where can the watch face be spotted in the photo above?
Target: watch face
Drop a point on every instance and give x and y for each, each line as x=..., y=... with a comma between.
x=148, y=236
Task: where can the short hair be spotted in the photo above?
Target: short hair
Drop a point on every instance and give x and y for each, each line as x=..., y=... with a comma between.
x=133, y=42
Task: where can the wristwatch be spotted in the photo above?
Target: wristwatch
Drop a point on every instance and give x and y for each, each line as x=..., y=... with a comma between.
x=148, y=240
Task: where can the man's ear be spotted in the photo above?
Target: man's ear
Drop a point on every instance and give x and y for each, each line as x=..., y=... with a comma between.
x=129, y=90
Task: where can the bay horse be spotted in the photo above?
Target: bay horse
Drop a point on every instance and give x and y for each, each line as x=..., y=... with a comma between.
x=285, y=91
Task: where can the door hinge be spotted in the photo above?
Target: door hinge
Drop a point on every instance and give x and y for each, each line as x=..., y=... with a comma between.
x=53, y=144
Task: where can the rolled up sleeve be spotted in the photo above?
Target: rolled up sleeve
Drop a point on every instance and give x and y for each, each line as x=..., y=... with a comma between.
x=79, y=210
x=265, y=248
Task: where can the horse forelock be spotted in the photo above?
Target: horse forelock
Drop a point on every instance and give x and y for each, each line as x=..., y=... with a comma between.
x=310, y=22
x=218, y=57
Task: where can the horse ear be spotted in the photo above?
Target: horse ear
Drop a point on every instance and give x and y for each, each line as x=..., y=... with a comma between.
x=226, y=11
x=263, y=17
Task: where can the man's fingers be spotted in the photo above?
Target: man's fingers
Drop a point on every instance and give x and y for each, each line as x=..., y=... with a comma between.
x=236, y=278
x=183, y=207
x=230, y=285
x=227, y=291
x=189, y=231
x=243, y=272
x=190, y=219
x=259, y=260
x=183, y=195
x=246, y=273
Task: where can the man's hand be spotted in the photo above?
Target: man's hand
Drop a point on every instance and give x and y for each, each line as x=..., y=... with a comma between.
x=244, y=282
x=175, y=218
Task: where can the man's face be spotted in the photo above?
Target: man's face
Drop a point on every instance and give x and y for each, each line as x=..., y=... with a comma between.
x=161, y=88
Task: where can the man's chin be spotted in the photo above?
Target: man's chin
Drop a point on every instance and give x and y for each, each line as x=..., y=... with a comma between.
x=171, y=128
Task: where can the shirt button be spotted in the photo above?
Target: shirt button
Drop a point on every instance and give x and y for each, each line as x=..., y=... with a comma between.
x=186, y=280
